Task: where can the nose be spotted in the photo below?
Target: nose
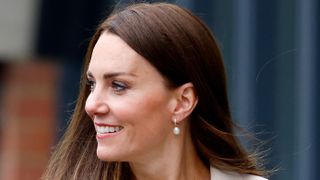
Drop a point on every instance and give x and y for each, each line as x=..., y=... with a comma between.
x=96, y=105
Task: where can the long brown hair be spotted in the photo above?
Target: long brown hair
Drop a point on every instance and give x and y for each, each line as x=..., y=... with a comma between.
x=183, y=50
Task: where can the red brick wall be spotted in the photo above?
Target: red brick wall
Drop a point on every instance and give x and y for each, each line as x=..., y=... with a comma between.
x=28, y=119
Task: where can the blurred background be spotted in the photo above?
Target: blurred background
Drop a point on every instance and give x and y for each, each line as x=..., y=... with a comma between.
x=270, y=49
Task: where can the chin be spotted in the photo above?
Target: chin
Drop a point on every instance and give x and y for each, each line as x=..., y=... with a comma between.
x=105, y=154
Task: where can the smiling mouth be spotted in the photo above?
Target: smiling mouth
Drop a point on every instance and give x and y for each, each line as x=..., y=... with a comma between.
x=108, y=129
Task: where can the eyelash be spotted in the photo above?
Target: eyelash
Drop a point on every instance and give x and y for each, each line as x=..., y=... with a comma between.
x=116, y=86
x=91, y=84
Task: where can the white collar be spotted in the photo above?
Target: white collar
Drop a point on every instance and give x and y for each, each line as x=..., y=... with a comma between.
x=217, y=174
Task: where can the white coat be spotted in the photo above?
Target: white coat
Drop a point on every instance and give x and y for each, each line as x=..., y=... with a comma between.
x=217, y=174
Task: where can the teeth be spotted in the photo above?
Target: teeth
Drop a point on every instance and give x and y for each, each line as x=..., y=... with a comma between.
x=107, y=129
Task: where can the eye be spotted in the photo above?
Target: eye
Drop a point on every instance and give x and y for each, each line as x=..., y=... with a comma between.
x=118, y=86
x=91, y=84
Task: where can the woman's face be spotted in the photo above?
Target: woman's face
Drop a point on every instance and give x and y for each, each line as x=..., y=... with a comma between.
x=129, y=104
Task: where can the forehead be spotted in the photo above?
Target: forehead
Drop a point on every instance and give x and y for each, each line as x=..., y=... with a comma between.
x=112, y=55
x=111, y=51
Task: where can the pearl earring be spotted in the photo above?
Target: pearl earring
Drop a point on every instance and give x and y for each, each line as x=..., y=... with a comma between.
x=176, y=129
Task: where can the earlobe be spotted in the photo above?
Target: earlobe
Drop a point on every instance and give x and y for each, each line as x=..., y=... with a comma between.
x=187, y=101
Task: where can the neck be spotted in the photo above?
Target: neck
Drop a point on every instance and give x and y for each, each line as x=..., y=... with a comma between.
x=176, y=161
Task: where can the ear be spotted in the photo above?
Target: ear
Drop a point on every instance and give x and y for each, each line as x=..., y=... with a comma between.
x=186, y=101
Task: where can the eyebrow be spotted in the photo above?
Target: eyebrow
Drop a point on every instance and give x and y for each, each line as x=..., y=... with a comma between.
x=112, y=74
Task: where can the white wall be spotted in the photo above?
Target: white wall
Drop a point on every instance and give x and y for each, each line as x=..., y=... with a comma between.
x=18, y=20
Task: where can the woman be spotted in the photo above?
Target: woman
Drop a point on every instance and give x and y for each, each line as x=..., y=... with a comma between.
x=155, y=104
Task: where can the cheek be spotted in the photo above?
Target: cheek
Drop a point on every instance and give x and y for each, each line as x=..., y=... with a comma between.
x=146, y=109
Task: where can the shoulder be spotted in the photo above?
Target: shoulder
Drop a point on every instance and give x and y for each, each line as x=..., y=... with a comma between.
x=217, y=174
